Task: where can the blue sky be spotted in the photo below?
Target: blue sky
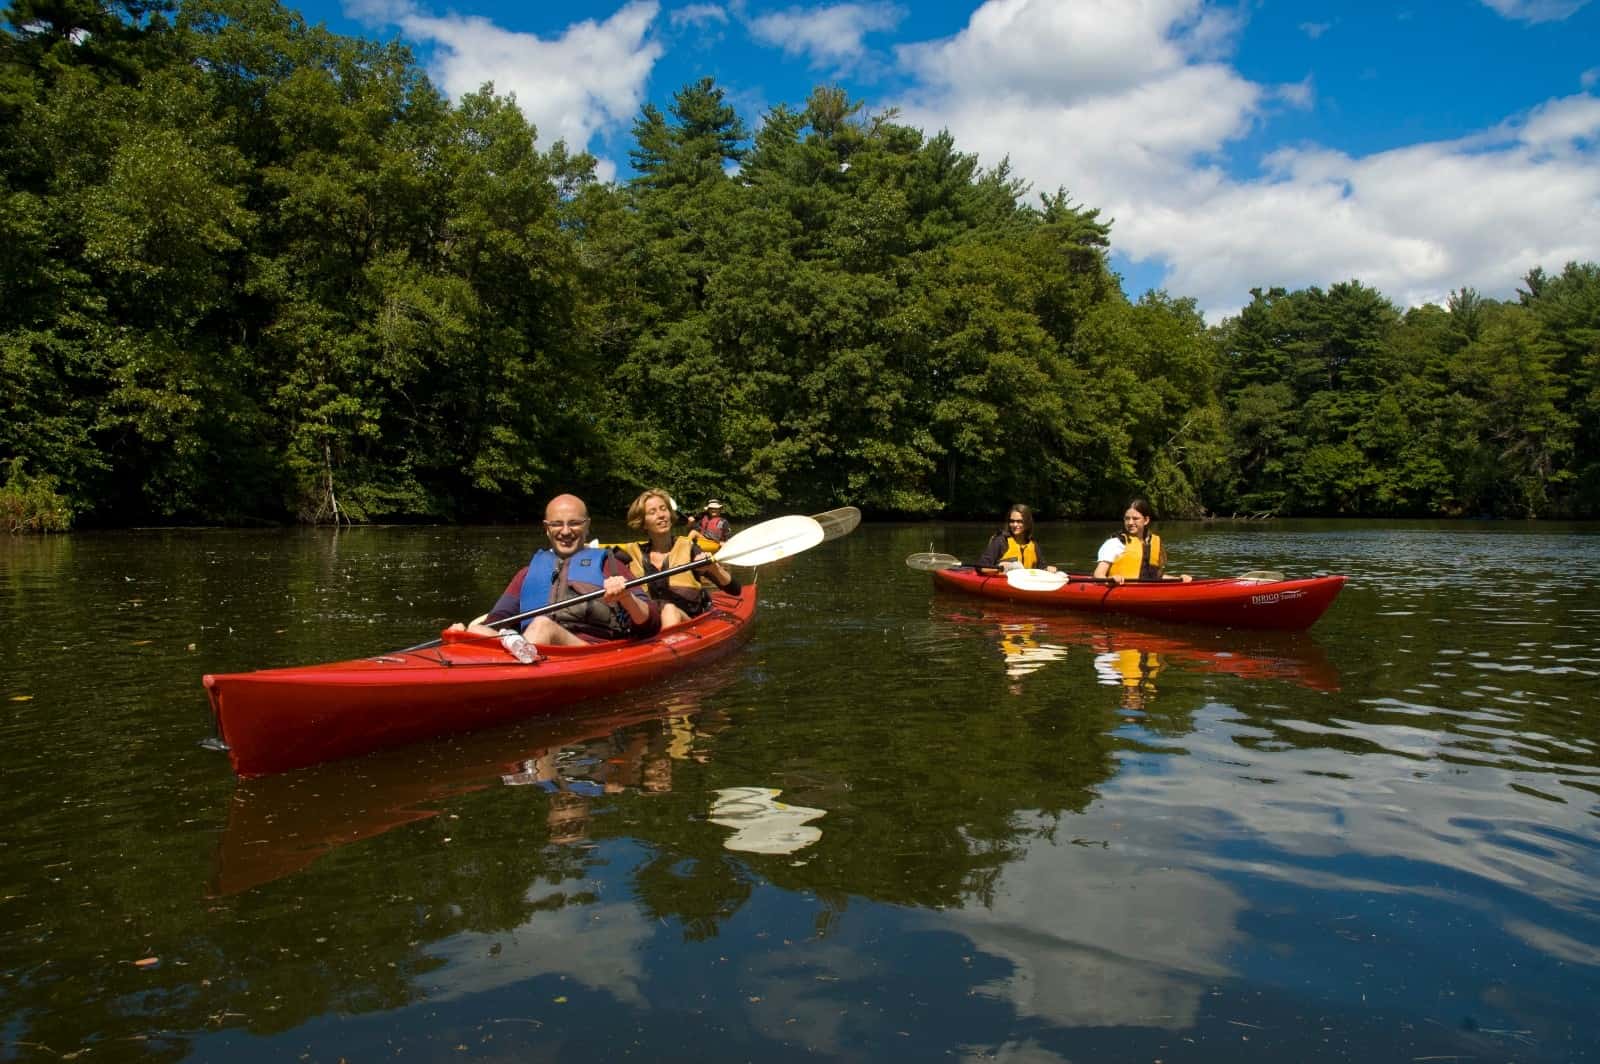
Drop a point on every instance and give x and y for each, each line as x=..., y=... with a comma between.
x=1416, y=147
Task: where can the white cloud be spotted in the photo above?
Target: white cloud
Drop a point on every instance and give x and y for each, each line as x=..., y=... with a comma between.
x=698, y=15
x=828, y=35
x=1300, y=94
x=1536, y=10
x=1053, y=50
x=1315, y=29
x=590, y=77
x=1115, y=957
x=1561, y=125
x=1120, y=104
x=1589, y=78
x=600, y=946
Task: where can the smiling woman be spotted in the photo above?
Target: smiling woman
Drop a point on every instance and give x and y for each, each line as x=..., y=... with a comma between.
x=1136, y=553
x=1013, y=547
x=681, y=596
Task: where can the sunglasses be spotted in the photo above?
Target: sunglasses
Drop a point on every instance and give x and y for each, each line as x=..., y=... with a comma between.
x=571, y=526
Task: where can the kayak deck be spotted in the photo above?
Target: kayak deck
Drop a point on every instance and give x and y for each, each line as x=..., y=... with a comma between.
x=275, y=720
x=1286, y=605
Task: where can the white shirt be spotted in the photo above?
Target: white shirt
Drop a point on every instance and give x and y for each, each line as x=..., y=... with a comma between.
x=1111, y=550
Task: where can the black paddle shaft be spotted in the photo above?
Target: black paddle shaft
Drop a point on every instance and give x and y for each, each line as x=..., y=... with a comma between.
x=554, y=607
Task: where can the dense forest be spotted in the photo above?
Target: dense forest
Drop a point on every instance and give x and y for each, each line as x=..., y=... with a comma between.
x=252, y=271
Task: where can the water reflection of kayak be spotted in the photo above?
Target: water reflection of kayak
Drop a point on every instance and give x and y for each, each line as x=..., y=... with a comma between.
x=1122, y=644
x=1232, y=602
x=278, y=825
x=280, y=719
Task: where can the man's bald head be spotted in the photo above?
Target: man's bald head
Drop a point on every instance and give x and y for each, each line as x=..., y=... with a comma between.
x=566, y=523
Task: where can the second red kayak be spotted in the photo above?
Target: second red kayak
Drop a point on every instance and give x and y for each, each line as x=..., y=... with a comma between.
x=280, y=719
x=1288, y=605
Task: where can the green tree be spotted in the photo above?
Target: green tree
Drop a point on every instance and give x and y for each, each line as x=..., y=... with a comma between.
x=1567, y=307
x=1514, y=440
x=1159, y=428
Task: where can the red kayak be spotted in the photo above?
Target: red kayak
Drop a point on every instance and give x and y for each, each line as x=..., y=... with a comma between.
x=1232, y=602
x=279, y=719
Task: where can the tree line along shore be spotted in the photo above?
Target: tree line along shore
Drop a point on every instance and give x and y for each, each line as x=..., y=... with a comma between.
x=253, y=271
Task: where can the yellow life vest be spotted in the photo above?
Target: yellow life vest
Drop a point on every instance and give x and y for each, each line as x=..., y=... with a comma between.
x=704, y=542
x=1130, y=563
x=1026, y=553
x=684, y=585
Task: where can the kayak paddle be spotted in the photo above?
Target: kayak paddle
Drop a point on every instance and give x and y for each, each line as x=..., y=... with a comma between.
x=932, y=561
x=836, y=523
x=1024, y=579
x=760, y=544
x=1036, y=579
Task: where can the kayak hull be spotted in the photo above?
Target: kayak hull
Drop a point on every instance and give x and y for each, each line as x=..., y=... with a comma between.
x=1286, y=605
x=275, y=720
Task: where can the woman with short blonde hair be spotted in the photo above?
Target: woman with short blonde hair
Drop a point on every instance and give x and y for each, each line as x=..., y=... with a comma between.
x=682, y=595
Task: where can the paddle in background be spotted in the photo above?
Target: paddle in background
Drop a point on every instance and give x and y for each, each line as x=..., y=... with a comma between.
x=836, y=523
x=932, y=561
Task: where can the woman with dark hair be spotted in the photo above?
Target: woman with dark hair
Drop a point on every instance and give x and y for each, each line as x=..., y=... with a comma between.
x=1014, y=546
x=1135, y=553
x=681, y=595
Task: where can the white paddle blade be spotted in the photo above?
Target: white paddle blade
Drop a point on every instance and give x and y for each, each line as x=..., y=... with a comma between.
x=1036, y=579
x=771, y=540
x=836, y=523
x=1262, y=576
x=930, y=561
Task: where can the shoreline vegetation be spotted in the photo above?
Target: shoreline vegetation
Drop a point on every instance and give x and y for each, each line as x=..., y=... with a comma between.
x=255, y=272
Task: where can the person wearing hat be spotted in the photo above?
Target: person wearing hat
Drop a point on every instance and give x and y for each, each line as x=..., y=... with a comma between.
x=712, y=525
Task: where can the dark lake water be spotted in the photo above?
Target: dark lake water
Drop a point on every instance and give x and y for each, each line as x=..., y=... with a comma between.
x=895, y=825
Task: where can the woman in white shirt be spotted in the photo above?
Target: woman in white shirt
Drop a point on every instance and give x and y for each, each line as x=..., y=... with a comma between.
x=1135, y=553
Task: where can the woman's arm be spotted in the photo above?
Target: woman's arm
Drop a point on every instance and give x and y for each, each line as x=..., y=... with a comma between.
x=641, y=609
x=718, y=574
x=990, y=558
x=1161, y=570
x=1110, y=551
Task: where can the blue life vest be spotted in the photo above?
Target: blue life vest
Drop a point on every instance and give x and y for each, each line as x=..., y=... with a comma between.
x=587, y=567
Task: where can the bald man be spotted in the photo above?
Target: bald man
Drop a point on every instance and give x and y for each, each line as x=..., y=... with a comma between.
x=565, y=569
